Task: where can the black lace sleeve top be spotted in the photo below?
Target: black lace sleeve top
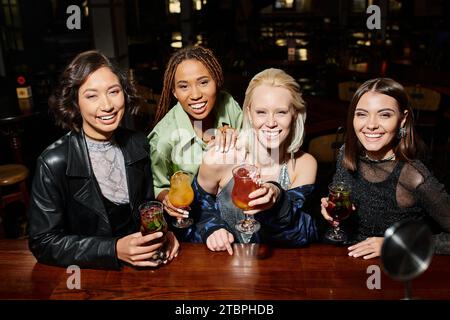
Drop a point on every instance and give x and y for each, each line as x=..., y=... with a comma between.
x=389, y=191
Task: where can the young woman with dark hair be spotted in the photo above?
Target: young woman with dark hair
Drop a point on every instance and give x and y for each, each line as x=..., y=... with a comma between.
x=193, y=80
x=379, y=162
x=88, y=184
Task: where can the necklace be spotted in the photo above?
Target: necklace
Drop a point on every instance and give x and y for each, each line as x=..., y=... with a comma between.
x=367, y=158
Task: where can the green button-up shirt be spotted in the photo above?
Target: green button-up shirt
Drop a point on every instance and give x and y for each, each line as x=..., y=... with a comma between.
x=175, y=146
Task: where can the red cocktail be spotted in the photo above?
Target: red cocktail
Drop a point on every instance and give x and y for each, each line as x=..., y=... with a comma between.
x=339, y=208
x=245, y=182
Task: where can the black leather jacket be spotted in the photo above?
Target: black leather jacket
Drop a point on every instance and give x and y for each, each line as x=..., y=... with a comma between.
x=68, y=223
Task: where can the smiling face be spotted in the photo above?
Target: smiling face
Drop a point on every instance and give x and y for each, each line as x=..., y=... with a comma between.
x=195, y=89
x=102, y=104
x=376, y=121
x=271, y=115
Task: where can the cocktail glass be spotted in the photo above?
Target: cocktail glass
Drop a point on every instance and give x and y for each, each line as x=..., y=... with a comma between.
x=245, y=182
x=181, y=195
x=339, y=208
x=152, y=220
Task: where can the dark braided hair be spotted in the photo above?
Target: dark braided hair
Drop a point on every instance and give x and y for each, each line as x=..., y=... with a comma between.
x=204, y=55
x=63, y=102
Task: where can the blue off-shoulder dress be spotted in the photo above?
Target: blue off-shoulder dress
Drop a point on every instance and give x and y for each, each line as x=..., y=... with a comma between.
x=285, y=224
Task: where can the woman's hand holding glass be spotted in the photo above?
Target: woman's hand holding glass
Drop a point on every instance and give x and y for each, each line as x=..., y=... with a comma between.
x=134, y=248
x=368, y=249
x=173, y=211
x=173, y=246
x=323, y=210
x=263, y=198
x=324, y=205
x=338, y=207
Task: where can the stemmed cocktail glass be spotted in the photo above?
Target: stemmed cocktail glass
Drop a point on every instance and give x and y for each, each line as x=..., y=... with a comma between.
x=245, y=182
x=181, y=195
x=339, y=208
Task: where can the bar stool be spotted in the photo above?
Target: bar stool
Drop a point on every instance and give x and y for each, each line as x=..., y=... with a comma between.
x=13, y=185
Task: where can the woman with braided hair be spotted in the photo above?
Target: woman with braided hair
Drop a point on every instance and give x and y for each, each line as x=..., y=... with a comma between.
x=194, y=78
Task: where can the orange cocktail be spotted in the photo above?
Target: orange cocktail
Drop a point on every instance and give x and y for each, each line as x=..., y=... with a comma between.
x=181, y=195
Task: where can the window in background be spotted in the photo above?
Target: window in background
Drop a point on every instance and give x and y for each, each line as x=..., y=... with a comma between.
x=12, y=25
x=176, y=40
x=359, y=6
x=284, y=4
x=395, y=5
x=174, y=6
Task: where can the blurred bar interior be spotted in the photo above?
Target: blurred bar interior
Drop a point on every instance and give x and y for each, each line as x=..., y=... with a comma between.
x=324, y=44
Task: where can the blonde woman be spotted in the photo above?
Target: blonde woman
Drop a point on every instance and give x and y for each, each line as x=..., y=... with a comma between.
x=273, y=132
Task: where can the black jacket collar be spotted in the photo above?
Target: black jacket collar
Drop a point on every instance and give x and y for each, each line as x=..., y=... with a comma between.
x=78, y=163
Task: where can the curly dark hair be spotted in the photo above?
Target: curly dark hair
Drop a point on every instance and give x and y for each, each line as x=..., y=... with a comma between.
x=63, y=101
x=199, y=53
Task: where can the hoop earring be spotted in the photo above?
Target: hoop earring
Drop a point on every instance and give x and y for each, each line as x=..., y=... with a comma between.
x=402, y=133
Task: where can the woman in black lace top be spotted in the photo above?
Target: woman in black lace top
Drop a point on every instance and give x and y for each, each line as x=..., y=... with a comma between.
x=379, y=162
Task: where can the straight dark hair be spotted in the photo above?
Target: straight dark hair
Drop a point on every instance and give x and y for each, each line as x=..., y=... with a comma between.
x=405, y=148
x=63, y=102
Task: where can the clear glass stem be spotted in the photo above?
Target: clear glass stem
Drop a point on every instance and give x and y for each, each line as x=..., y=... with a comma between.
x=182, y=222
x=336, y=230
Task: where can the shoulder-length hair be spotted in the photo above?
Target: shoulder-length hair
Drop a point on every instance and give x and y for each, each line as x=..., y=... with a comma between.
x=405, y=148
x=278, y=78
x=63, y=101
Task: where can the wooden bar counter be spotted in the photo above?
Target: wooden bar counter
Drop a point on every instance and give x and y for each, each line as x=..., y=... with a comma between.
x=254, y=272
